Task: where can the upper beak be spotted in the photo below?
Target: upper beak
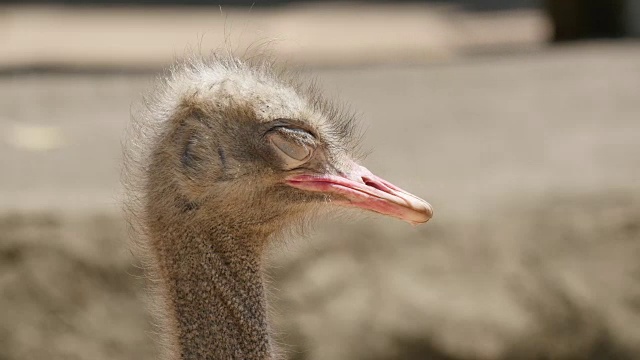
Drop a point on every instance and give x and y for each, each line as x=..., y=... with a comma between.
x=360, y=188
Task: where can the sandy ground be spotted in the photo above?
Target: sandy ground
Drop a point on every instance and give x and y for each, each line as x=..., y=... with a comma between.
x=531, y=161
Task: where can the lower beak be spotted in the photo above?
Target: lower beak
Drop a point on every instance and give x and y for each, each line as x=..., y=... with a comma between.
x=361, y=189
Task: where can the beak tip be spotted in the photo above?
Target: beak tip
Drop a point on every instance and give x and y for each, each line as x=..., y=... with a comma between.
x=422, y=213
x=427, y=214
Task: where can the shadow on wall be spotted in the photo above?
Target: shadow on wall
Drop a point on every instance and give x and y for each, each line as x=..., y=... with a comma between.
x=480, y=5
x=593, y=19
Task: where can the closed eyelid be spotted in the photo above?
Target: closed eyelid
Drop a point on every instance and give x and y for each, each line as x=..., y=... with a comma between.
x=296, y=151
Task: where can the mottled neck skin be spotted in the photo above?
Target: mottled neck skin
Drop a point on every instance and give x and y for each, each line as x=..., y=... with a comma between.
x=215, y=294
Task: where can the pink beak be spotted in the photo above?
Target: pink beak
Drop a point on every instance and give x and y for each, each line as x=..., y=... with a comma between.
x=364, y=190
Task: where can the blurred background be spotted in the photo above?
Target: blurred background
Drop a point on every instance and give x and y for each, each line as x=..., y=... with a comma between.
x=519, y=120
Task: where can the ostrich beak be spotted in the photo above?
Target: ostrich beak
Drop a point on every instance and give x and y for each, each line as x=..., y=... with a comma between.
x=362, y=189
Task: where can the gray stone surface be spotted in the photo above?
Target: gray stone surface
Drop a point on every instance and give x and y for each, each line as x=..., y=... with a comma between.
x=462, y=134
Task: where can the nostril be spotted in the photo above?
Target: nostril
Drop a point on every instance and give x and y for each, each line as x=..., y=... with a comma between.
x=373, y=184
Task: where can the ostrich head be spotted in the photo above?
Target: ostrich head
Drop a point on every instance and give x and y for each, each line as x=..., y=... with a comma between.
x=252, y=147
x=243, y=145
x=226, y=155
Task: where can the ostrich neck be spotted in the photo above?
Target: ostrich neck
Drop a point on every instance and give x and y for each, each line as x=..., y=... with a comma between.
x=216, y=296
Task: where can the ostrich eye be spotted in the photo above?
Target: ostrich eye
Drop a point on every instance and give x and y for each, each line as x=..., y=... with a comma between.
x=293, y=146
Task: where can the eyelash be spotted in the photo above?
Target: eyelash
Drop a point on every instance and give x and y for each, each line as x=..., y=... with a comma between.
x=291, y=126
x=288, y=129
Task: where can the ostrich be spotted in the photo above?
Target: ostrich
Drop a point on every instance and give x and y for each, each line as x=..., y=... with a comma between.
x=226, y=156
